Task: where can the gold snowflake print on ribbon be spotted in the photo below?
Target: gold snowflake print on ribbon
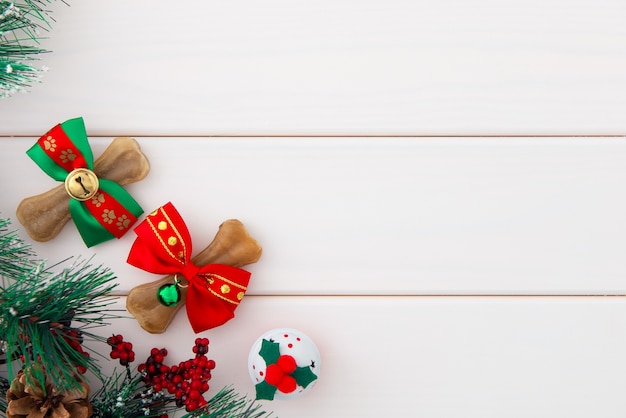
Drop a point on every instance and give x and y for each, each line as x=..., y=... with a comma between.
x=108, y=216
x=50, y=144
x=68, y=155
x=98, y=199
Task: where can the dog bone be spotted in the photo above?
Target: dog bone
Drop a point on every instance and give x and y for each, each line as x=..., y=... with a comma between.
x=232, y=246
x=44, y=215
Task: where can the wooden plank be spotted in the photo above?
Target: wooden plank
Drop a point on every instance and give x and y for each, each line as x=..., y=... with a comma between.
x=429, y=356
x=331, y=67
x=382, y=215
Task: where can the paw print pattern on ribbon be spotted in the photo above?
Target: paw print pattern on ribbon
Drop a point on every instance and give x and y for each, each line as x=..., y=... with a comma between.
x=68, y=155
x=97, y=200
x=50, y=144
x=108, y=216
x=123, y=222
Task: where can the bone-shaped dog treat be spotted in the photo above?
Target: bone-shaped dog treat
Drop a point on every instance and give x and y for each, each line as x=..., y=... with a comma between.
x=44, y=215
x=232, y=246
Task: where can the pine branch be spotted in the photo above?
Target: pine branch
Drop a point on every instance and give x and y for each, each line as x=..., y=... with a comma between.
x=38, y=312
x=20, y=25
x=125, y=396
x=229, y=404
x=16, y=258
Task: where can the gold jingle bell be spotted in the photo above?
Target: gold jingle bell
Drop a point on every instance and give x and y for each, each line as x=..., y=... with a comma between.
x=81, y=184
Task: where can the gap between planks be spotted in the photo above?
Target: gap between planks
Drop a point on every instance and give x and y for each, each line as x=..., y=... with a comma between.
x=351, y=135
x=429, y=296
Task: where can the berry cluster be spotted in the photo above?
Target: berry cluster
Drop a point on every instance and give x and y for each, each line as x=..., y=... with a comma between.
x=278, y=374
x=153, y=368
x=187, y=382
x=121, y=349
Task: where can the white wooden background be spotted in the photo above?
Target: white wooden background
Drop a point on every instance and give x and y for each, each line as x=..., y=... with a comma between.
x=437, y=186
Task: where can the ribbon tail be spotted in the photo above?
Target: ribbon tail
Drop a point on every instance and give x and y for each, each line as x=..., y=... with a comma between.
x=91, y=231
x=109, y=214
x=208, y=305
x=206, y=311
x=69, y=137
x=39, y=156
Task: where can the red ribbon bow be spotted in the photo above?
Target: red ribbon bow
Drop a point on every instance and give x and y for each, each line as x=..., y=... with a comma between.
x=163, y=246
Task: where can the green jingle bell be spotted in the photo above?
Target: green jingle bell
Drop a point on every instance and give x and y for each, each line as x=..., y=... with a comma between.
x=169, y=294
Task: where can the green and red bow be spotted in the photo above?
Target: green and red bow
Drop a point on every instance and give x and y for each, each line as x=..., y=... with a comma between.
x=163, y=246
x=108, y=211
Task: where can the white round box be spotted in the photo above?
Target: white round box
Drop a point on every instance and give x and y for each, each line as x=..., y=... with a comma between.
x=290, y=342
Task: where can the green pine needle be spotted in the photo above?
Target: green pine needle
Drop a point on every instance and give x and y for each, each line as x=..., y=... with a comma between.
x=229, y=404
x=16, y=258
x=125, y=396
x=20, y=25
x=42, y=312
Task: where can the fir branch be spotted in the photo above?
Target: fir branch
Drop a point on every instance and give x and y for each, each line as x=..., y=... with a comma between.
x=37, y=312
x=20, y=25
x=229, y=404
x=124, y=396
x=16, y=257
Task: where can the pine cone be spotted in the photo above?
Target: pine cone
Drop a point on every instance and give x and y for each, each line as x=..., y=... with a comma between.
x=28, y=400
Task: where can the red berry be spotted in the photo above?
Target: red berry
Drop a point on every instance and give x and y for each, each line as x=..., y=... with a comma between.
x=194, y=394
x=287, y=364
x=191, y=406
x=274, y=374
x=287, y=384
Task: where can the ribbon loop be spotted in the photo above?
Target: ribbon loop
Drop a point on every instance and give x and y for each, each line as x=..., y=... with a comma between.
x=101, y=209
x=163, y=246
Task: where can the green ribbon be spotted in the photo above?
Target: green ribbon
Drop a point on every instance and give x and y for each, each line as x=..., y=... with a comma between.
x=111, y=211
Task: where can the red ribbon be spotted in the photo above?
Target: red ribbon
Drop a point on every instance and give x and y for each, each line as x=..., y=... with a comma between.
x=163, y=246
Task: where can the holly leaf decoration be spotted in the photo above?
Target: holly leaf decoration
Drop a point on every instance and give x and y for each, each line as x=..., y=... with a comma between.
x=304, y=376
x=265, y=391
x=270, y=351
